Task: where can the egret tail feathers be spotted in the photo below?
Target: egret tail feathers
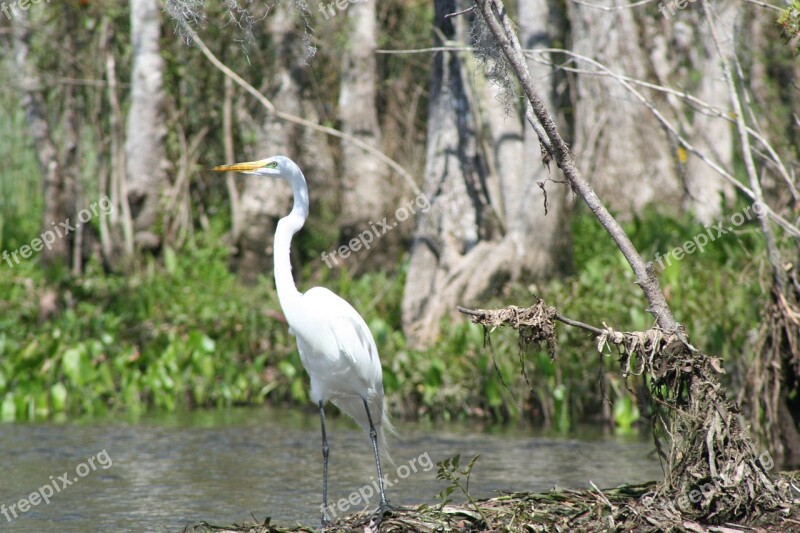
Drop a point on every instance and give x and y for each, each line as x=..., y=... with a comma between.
x=383, y=428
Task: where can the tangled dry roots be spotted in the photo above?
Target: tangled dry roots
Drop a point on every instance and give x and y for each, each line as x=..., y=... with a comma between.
x=714, y=474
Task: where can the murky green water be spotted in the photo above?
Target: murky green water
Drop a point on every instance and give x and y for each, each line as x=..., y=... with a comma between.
x=160, y=474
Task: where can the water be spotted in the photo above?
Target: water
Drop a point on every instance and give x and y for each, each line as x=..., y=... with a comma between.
x=160, y=474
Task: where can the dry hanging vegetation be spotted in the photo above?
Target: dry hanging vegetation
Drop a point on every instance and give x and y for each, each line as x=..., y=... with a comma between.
x=774, y=371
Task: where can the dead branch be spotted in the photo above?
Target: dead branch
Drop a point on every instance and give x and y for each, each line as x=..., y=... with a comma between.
x=479, y=316
x=496, y=18
x=628, y=83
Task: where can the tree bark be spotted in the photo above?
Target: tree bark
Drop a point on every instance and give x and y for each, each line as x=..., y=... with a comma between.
x=488, y=224
x=449, y=236
x=58, y=183
x=541, y=236
x=365, y=193
x=679, y=51
x=624, y=149
x=146, y=130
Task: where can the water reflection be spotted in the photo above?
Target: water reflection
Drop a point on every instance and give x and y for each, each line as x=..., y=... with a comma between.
x=170, y=471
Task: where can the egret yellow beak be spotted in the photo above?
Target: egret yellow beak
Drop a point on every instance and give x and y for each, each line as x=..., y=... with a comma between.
x=241, y=167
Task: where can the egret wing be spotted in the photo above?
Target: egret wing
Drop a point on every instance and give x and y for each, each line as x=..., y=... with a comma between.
x=354, y=341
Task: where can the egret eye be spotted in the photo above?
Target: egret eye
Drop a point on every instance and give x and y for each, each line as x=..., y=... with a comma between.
x=274, y=164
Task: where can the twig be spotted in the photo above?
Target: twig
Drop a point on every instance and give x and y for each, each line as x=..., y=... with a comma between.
x=702, y=106
x=577, y=324
x=299, y=120
x=459, y=13
x=426, y=50
x=613, y=8
x=602, y=496
x=769, y=238
x=558, y=316
x=763, y=4
x=627, y=84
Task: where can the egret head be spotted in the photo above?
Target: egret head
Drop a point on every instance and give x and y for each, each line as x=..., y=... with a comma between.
x=277, y=167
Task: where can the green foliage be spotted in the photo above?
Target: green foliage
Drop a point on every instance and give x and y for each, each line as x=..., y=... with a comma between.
x=20, y=195
x=181, y=335
x=184, y=332
x=625, y=410
x=459, y=479
x=789, y=22
x=713, y=293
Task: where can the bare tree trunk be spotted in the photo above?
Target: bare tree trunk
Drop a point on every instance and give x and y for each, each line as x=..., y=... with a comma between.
x=365, y=194
x=263, y=202
x=145, y=155
x=676, y=54
x=58, y=185
x=487, y=224
x=624, y=148
x=230, y=177
x=121, y=244
x=541, y=236
x=448, y=243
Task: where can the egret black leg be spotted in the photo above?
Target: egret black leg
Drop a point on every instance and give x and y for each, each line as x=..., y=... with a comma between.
x=325, y=518
x=374, y=436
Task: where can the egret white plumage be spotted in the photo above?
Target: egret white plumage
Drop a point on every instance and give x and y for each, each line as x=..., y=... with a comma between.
x=336, y=346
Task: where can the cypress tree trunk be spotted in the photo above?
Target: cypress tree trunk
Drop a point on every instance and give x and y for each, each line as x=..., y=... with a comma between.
x=146, y=130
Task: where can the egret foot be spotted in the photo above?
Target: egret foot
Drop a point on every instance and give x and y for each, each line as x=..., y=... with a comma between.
x=385, y=509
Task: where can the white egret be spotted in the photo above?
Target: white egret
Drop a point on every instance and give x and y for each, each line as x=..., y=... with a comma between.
x=336, y=346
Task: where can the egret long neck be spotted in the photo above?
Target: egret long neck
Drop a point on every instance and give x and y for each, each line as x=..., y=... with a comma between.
x=287, y=226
